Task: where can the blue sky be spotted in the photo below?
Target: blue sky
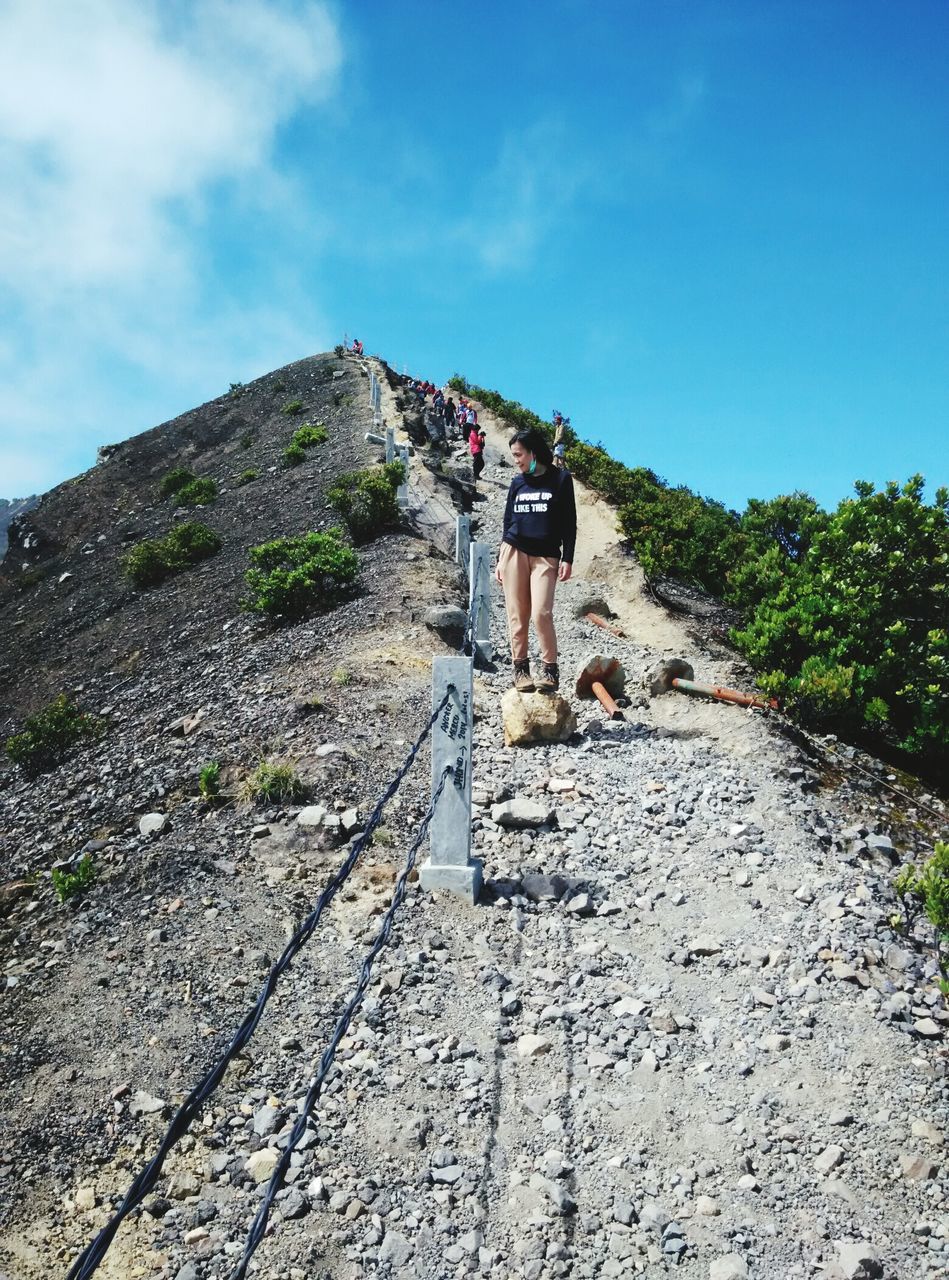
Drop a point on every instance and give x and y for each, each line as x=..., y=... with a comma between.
x=716, y=234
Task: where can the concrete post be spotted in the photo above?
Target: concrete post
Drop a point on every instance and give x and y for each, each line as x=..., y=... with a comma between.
x=479, y=599
x=463, y=542
x=450, y=864
x=372, y=390
x=390, y=443
x=402, y=496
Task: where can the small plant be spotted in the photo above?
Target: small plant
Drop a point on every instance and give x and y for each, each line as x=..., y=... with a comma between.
x=310, y=434
x=278, y=386
x=175, y=480
x=339, y=350
x=235, y=390
x=458, y=382
x=293, y=455
x=47, y=736
x=209, y=780
x=247, y=439
x=292, y=577
x=341, y=677
x=366, y=500
x=273, y=783
x=68, y=883
x=383, y=837
x=343, y=398
x=246, y=477
x=292, y=407
x=197, y=493
x=925, y=892
x=155, y=559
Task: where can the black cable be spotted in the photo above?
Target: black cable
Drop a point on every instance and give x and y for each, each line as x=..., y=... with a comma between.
x=259, y=1226
x=88, y=1261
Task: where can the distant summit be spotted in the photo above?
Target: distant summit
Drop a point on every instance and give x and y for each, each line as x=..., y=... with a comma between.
x=10, y=508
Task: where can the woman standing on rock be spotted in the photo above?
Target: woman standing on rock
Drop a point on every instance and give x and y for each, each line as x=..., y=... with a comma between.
x=537, y=545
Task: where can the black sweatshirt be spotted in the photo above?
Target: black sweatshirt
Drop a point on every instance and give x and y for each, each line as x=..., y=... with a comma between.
x=541, y=515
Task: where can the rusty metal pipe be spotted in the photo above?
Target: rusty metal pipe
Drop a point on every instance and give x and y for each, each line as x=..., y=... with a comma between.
x=602, y=622
x=603, y=696
x=725, y=695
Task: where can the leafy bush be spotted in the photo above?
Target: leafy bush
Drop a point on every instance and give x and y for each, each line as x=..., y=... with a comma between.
x=458, y=382
x=175, y=480
x=154, y=559
x=339, y=350
x=366, y=500
x=47, y=736
x=247, y=439
x=246, y=477
x=235, y=390
x=854, y=633
x=68, y=883
x=296, y=576
x=292, y=407
x=197, y=493
x=273, y=783
x=310, y=434
x=209, y=780
x=293, y=455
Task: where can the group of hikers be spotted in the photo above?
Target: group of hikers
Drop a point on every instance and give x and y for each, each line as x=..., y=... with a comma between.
x=539, y=531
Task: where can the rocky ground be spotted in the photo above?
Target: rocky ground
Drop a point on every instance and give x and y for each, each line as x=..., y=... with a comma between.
x=677, y=1034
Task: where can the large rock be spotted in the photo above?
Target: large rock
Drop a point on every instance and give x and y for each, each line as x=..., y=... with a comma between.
x=658, y=679
x=858, y=1260
x=521, y=813
x=448, y=622
x=536, y=717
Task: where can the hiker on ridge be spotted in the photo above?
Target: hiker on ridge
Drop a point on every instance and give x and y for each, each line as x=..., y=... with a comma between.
x=537, y=546
x=476, y=443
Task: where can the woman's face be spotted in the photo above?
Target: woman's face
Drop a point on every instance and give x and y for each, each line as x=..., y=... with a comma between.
x=522, y=457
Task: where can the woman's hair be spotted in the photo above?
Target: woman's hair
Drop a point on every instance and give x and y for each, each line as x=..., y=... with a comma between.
x=534, y=442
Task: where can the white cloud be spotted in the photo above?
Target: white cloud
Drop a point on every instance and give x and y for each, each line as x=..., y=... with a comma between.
x=121, y=122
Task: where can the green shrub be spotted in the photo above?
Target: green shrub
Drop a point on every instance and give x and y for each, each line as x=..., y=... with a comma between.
x=366, y=500
x=47, y=736
x=273, y=783
x=925, y=891
x=209, y=780
x=341, y=677
x=310, y=434
x=175, y=480
x=235, y=390
x=292, y=407
x=339, y=350
x=458, y=382
x=293, y=455
x=246, y=477
x=68, y=883
x=292, y=577
x=197, y=493
x=247, y=439
x=154, y=559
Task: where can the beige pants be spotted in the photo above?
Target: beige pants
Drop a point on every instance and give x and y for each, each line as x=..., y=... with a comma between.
x=529, y=583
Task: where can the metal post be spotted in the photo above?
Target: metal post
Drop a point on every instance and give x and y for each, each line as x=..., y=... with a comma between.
x=463, y=542
x=402, y=497
x=372, y=390
x=450, y=864
x=390, y=443
x=479, y=599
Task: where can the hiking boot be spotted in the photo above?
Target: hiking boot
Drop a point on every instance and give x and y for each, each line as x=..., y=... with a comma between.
x=549, y=682
x=522, y=677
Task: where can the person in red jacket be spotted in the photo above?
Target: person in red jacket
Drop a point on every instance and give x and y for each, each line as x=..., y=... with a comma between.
x=476, y=443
